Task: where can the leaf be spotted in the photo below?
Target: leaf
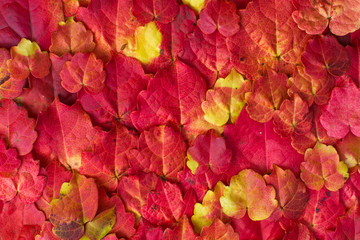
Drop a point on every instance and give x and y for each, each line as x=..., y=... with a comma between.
x=27, y=58
x=30, y=185
x=46, y=232
x=111, y=22
x=290, y=192
x=340, y=114
x=218, y=231
x=268, y=94
x=165, y=204
x=77, y=204
x=322, y=210
x=210, y=209
x=173, y=95
x=319, y=62
x=348, y=149
x=35, y=21
x=101, y=224
x=16, y=128
x=311, y=89
x=161, y=150
x=209, y=153
x=126, y=78
x=183, y=230
x=109, y=158
x=147, y=231
x=197, y=5
x=211, y=52
x=9, y=161
x=64, y=132
x=134, y=190
x=83, y=71
x=20, y=220
x=70, y=7
x=221, y=16
x=248, y=192
x=255, y=145
x=147, y=43
x=322, y=167
x=293, y=117
x=314, y=17
x=160, y=10
x=71, y=37
x=226, y=100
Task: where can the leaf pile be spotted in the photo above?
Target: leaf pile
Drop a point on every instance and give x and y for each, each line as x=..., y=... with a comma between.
x=170, y=119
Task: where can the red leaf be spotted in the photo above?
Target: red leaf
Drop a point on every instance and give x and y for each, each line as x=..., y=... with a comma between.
x=183, y=230
x=35, y=21
x=256, y=145
x=293, y=117
x=83, y=71
x=9, y=162
x=165, y=204
x=209, y=152
x=64, y=132
x=342, y=114
x=218, y=231
x=161, y=150
x=16, y=128
x=221, y=16
x=290, y=192
x=325, y=56
x=163, y=11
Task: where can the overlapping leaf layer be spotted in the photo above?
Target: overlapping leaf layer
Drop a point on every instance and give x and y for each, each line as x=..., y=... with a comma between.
x=179, y=119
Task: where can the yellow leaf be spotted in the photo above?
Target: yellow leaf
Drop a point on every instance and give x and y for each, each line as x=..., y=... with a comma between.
x=197, y=5
x=101, y=225
x=26, y=47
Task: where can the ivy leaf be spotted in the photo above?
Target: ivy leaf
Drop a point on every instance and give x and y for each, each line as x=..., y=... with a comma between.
x=322, y=167
x=183, y=230
x=248, y=192
x=163, y=11
x=218, y=231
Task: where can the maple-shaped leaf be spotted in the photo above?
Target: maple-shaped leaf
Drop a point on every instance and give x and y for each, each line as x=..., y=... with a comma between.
x=71, y=37
x=165, y=204
x=268, y=94
x=163, y=11
x=310, y=89
x=314, y=17
x=15, y=127
x=9, y=161
x=109, y=158
x=30, y=186
x=210, y=209
x=83, y=71
x=35, y=21
x=77, y=205
x=226, y=100
x=46, y=232
x=272, y=29
x=20, y=220
x=173, y=95
x=124, y=225
x=111, y=22
x=56, y=175
x=320, y=61
x=322, y=167
x=211, y=53
x=290, y=192
x=126, y=78
x=348, y=149
x=255, y=145
x=221, y=16
x=27, y=58
x=101, y=224
x=183, y=230
x=64, y=133
x=209, y=152
x=293, y=117
x=249, y=193
x=257, y=230
x=161, y=150
x=341, y=114
x=218, y=231
x=322, y=210
x=135, y=189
